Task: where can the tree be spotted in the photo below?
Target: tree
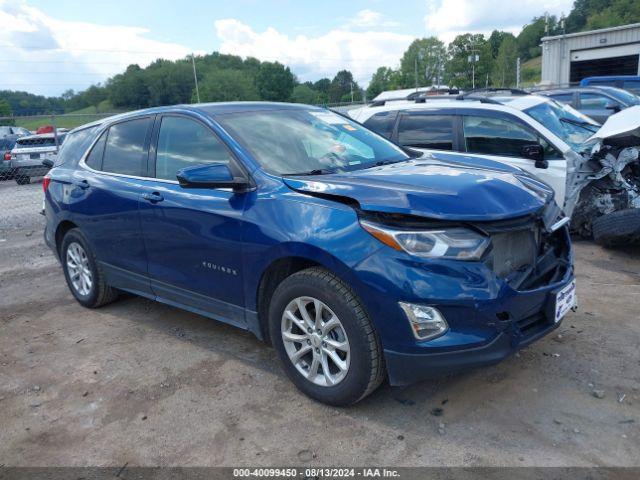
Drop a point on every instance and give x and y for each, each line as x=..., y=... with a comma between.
x=303, y=93
x=95, y=94
x=227, y=85
x=529, y=37
x=341, y=86
x=322, y=86
x=128, y=89
x=169, y=83
x=504, y=67
x=275, y=82
x=469, y=58
x=620, y=12
x=5, y=111
x=429, y=55
x=384, y=78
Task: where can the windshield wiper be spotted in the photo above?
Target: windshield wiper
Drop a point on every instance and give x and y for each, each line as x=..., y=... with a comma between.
x=586, y=125
x=317, y=171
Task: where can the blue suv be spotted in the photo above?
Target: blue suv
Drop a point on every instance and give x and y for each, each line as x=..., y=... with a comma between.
x=356, y=259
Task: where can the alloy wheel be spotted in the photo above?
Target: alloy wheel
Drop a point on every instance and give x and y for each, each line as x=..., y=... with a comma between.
x=79, y=269
x=315, y=341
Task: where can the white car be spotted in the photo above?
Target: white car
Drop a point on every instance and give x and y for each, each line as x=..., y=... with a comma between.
x=534, y=133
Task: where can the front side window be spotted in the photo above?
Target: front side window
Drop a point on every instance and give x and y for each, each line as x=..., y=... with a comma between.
x=382, y=123
x=426, y=131
x=125, y=151
x=298, y=141
x=183, y=142
x=593, y=101
x=496, y=136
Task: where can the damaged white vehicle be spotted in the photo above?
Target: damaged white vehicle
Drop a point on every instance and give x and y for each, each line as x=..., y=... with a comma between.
x=602, y=193
x=594, y=171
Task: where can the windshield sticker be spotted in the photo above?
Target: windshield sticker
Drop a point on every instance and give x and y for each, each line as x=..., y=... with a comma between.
x=328, y=117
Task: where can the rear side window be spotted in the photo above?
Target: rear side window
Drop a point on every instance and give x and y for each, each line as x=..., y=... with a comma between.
x=125, y=151
x=74, y=146
x=496, y=136
x=382, y=123
x=183, y=142
x=563, y=97
x=426, y=131
x=595, y=101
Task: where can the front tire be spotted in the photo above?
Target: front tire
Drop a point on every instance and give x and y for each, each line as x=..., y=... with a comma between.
x=81, y=270
x=324, y=338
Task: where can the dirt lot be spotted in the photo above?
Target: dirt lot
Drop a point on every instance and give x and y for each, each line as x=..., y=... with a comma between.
x=145, y=384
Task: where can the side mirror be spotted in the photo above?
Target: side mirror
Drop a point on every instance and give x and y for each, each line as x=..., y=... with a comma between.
x=47, y=162
x=612, y=106
x=536, y=153
x=216, y=175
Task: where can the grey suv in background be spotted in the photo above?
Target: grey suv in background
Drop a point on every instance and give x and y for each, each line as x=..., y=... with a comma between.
x=598, y=103
x=29, y=152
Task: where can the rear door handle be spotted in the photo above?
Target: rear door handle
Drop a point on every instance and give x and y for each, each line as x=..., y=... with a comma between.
x=153, y=197
x=83, y=184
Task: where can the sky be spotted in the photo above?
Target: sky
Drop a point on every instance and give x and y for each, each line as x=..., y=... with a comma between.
x=48, y=47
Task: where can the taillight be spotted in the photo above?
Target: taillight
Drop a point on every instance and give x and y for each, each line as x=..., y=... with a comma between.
x=45, y=182
x=7, y=156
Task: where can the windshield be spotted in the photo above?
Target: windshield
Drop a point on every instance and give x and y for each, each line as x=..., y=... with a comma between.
x=568, y=124
x=288, y=142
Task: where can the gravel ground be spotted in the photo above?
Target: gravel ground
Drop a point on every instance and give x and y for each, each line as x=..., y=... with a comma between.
x=141, y=383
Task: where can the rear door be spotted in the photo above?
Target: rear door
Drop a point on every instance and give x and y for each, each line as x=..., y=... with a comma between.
x=193, y=236
x=427, y=130
x=104, y=196
x=503, y=138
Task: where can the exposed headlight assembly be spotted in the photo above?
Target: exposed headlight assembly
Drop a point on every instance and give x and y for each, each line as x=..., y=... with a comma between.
x=451, y=243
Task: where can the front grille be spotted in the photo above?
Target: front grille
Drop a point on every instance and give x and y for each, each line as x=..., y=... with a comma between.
x=36, y=142
x=526, y=255
x=513, y=251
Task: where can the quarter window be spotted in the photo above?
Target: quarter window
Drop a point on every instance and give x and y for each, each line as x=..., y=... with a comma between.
x=94, y=159
x=186, y=143
x=495, y=136
x=426, y=131
x=125, y=151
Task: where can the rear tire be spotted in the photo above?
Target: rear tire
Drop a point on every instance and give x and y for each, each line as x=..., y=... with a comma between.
x=23, y=179
x=358, y=368
x=617, y=228
x=83, y=273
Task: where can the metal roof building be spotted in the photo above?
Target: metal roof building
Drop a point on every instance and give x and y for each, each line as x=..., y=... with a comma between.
x=567, y=59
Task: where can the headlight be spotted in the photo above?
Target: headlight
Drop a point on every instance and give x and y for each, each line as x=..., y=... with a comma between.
x=453, y=243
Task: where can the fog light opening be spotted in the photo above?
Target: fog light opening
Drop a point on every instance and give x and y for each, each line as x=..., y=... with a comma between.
x=426, y=322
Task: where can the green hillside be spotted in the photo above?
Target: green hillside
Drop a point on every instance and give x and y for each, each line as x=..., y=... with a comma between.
x=71, y=119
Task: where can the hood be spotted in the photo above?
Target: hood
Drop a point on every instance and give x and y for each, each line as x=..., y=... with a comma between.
x=621, y=125
x=455, y=187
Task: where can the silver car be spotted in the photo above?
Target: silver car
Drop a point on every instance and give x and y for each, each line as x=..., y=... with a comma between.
x=30, y=151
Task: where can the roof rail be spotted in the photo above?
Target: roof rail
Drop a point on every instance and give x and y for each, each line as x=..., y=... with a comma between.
x=513, y=91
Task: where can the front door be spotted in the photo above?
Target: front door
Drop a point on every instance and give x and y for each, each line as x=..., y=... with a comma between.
x=193, y=236
x=502, y=140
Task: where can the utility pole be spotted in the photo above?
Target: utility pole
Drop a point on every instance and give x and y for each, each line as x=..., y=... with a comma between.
x=518, y=73
x=473, y=58
x=195, y=77
x=351, y=85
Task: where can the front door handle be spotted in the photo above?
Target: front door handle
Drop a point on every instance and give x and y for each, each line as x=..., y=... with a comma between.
x=83, y=184
x=153, y=197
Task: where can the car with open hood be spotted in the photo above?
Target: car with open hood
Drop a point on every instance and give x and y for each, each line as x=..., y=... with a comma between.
x=356, y=259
